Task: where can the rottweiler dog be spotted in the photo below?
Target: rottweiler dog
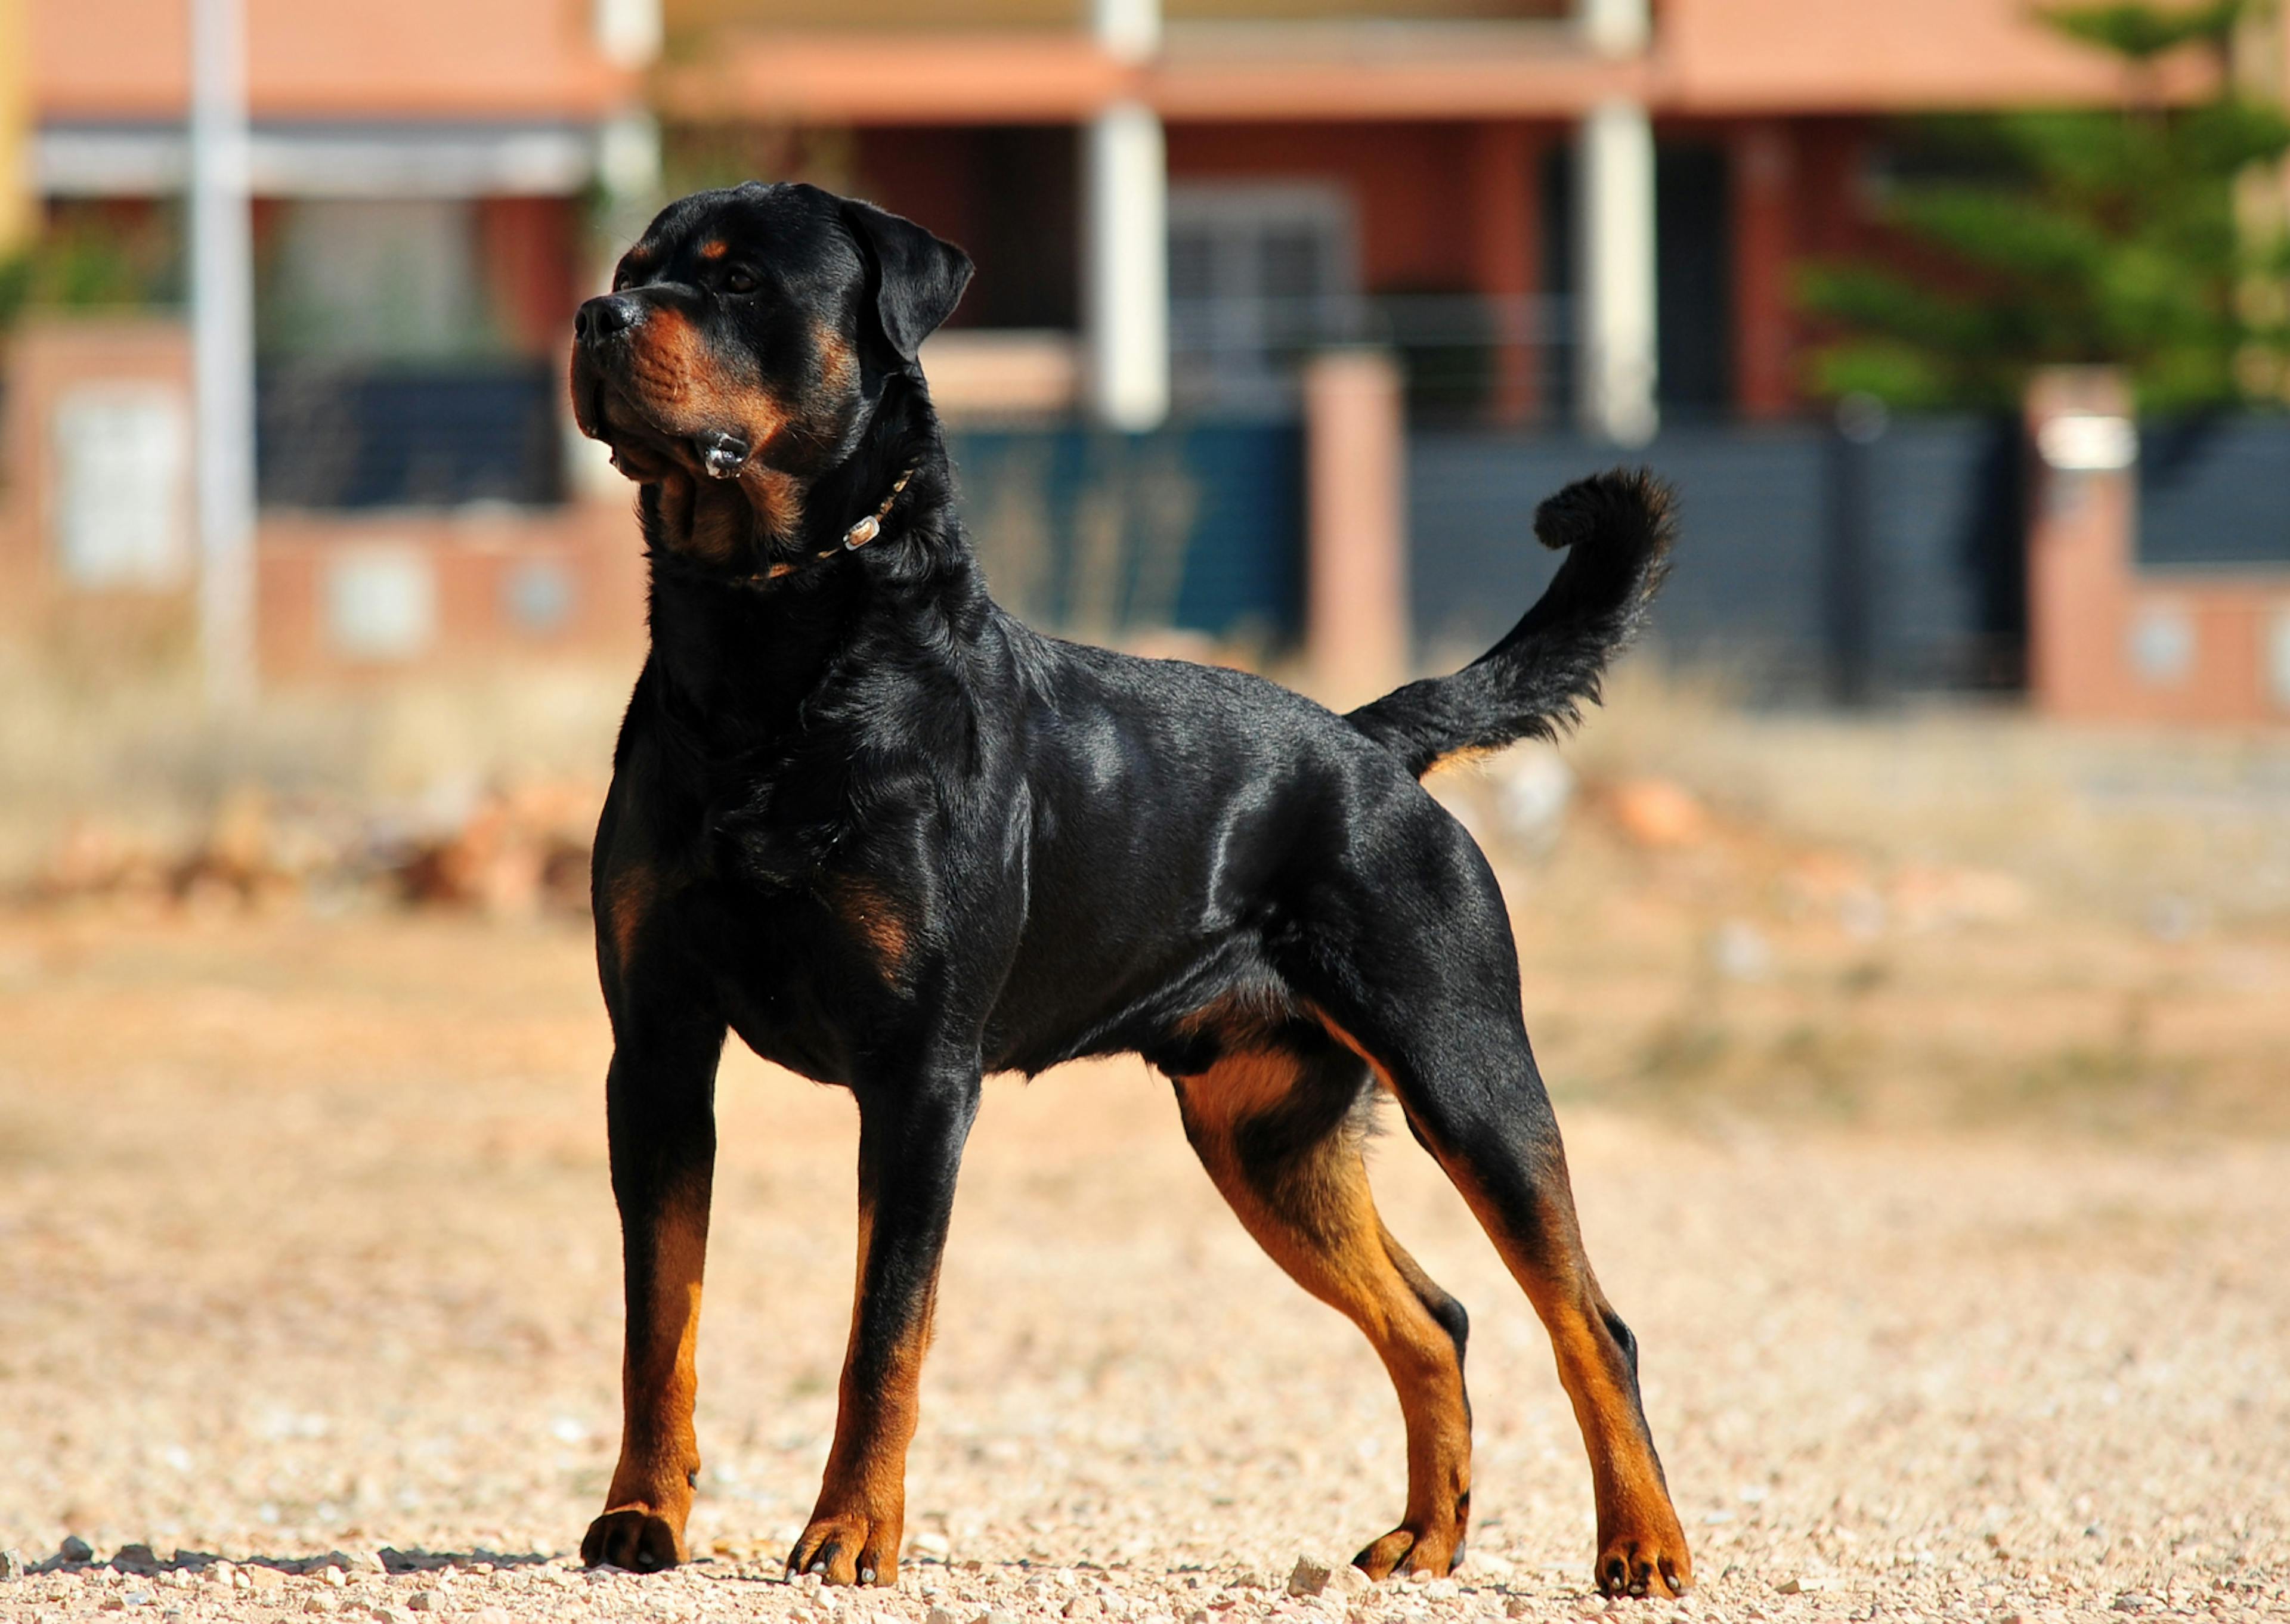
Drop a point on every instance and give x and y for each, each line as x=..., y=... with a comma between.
x=895, y=840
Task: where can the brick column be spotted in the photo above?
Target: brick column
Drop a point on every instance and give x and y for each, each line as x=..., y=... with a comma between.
x=1765, y=359
x=2083, y=505
x=1355, y=617
x=1505, y=248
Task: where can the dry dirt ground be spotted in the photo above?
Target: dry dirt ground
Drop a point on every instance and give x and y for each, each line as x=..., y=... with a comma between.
x=1924, y=1079
x=307, y=1263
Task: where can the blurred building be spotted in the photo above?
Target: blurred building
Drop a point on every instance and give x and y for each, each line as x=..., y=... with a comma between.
x=419, y=168
x=1549, y=207
x=1569, y=226
x=423, y=172
x=1574, y=224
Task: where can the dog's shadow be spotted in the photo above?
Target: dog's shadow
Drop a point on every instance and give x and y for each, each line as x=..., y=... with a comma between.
x=393, y=1561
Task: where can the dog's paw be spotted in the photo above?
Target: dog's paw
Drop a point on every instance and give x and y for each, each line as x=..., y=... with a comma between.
x=632, y=1538
x=1410, y=1550
x=1638, y=1564
x=848, y=1549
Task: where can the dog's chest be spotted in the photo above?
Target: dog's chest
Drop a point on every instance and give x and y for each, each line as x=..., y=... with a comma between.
x=772, y=834
x=776, y=966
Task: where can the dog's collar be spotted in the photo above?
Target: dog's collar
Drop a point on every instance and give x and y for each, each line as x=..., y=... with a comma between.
x=865, y=530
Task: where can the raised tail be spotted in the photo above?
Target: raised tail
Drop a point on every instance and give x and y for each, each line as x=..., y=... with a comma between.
x=1616, y=530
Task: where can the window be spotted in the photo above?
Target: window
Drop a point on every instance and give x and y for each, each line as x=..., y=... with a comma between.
x=123, y=485
x=1258, y=275
x=377, y=280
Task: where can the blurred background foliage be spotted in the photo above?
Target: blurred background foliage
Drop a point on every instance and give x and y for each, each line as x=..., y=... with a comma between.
x=92, y=256
x=2122, y=237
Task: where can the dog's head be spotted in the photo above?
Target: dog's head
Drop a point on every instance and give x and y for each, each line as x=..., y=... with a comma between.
x=750, y=330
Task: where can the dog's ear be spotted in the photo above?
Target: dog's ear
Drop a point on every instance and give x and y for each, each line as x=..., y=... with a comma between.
x=918, y=278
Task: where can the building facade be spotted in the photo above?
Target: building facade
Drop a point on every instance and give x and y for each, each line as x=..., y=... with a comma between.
x=426, y=176
x=1571, y=224
x=1555, y=210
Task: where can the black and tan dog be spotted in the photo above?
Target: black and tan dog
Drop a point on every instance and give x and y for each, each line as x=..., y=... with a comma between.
x=895, y=840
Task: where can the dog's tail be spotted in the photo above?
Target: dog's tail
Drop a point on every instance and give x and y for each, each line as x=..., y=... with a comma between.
x=1616, y=530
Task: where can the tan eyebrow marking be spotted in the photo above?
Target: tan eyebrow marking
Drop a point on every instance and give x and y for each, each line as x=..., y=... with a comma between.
x=715, y=250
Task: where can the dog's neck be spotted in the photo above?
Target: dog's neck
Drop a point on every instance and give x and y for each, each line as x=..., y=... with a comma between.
x=756, y=595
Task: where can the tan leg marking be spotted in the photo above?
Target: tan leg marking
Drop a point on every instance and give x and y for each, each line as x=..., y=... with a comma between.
x=860, y=1520
x=650, y=1500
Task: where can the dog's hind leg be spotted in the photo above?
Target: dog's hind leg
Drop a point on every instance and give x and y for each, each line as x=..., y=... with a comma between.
x=1413, y=968
x=1274, y=1127
x=1473, y=1097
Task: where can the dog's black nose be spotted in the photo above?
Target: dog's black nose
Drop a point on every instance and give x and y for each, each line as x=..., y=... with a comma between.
x=606, y=315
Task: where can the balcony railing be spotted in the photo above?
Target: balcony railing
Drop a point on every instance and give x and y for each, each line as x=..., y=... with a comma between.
x=440, y=435
x=1466, y=359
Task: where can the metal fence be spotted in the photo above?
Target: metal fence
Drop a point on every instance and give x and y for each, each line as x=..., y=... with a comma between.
x=1812, y=562
x=1841, y=561
x=332, y=436
x=1200, y=527
x=1465, y=359
x=2215, y=492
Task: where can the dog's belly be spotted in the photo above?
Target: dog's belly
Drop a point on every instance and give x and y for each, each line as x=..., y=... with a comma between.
x=784, y=1023
x=1123, y=937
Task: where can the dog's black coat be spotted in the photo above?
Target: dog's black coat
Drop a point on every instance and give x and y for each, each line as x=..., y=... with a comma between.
x=895, y=839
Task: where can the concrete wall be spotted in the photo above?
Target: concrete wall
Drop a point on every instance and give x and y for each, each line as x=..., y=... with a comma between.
x=340, y=596
x=2112, y=640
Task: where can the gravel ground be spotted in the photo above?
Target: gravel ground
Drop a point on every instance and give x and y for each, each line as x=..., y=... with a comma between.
x=309, y=1284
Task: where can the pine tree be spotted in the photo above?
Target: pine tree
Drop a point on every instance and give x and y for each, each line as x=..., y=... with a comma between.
x=2079, y=237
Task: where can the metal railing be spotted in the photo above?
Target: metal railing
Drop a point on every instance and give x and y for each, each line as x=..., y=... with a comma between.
x=362, y=436
x=1466, y=359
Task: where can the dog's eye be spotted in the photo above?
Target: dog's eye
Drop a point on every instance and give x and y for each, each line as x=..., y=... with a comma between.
x=739, y=279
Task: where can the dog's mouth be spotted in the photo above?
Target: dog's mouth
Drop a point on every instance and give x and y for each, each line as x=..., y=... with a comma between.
x=641, y=446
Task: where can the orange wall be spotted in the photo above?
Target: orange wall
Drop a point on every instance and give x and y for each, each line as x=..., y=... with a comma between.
x=471, y=556
x=1444, y=207
x=530, y=249
x=851, y=65
x=1876, y=55
x=693, y=14
x=1411, y=183
x=126, y=59
x=2087, y=596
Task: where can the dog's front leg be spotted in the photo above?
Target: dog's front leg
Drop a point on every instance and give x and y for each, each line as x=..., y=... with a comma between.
x=911, y=1132
x=661, y=1112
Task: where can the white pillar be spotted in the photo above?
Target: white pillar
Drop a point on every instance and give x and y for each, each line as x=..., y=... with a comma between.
x=1129, y=30
x=1615, y=280
x=1615, y=27
x=223, y=348
x=628, y=142
x=1126, y=236
x=629, y=32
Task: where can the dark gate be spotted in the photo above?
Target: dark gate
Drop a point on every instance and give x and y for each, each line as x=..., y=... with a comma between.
x=1812, y=564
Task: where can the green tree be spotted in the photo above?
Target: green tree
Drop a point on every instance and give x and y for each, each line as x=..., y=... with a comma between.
x=2056, y=238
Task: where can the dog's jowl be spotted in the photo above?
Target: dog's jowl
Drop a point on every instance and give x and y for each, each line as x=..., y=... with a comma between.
x=894, y=840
